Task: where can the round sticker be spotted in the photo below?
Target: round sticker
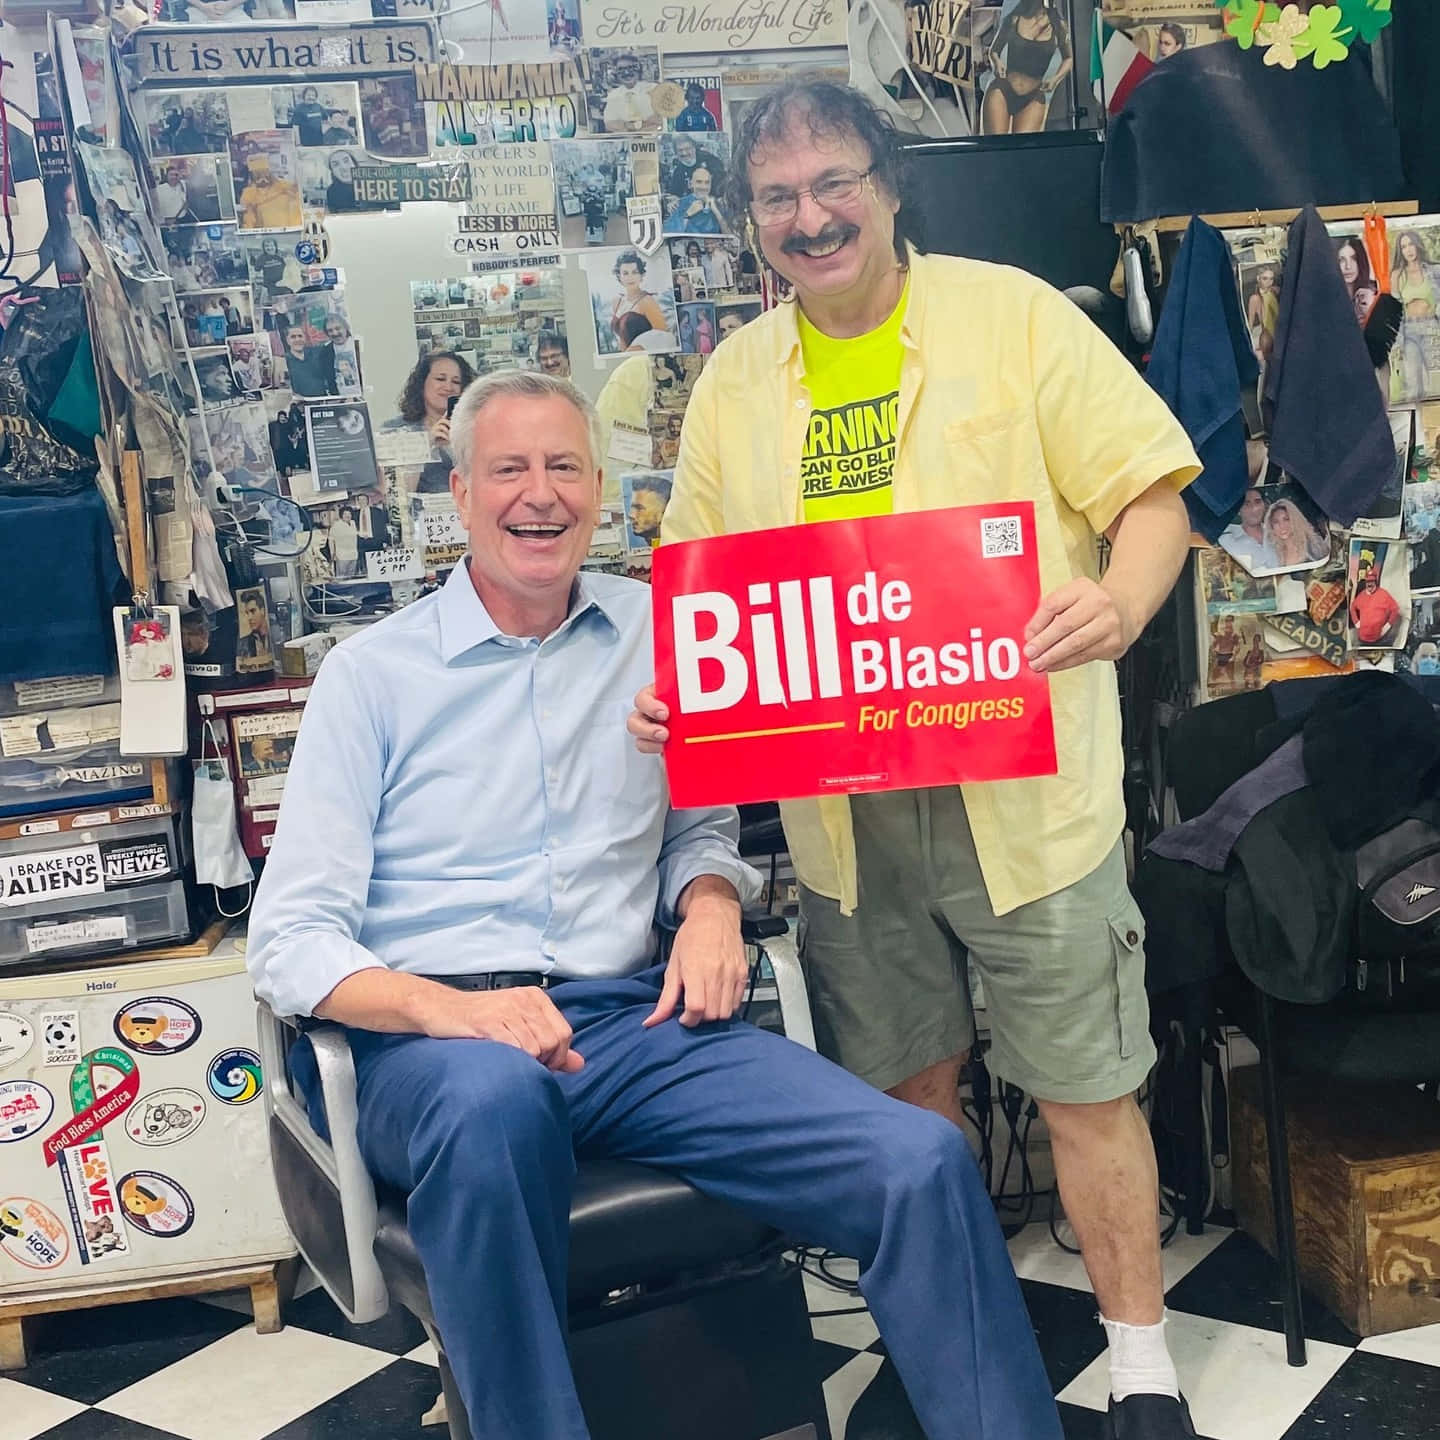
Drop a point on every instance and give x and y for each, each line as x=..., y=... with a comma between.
x=25, y=1105
x=156, y=1204
x=32, y=1234
x=234, y=1076
x=157, y=1025
x=667, y=99
x=164, y=1116
x=17, y=1035
x=306, y=253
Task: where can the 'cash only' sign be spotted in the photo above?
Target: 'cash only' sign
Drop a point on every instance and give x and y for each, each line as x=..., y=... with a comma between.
x=853, y=655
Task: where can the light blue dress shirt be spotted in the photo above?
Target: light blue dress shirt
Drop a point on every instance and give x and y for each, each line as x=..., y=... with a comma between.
x=462, y=801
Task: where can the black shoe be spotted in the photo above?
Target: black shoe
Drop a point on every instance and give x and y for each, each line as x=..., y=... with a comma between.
x=1149, y=1417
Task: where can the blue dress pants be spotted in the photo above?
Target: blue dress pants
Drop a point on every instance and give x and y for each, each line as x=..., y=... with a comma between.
x=484, y=1139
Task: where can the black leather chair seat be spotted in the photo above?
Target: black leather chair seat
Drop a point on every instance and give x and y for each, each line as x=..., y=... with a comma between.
x=629, y=1225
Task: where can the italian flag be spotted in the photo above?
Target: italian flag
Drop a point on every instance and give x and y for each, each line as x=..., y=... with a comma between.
x=1116, y=66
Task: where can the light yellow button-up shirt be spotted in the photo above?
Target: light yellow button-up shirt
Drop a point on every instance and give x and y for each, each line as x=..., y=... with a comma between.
x=1007, y=391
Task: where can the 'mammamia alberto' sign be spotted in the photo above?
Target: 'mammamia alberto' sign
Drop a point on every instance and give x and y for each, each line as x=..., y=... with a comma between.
x=879, y=654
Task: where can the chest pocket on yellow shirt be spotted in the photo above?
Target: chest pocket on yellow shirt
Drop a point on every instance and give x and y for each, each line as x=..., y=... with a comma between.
x=997, y=456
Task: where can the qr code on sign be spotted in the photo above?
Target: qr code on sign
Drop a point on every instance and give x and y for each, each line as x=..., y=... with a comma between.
x=1001, y=536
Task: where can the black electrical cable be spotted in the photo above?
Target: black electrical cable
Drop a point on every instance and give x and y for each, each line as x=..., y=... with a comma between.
x=5, y=172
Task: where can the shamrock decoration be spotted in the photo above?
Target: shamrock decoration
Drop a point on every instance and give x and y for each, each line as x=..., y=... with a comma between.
x=1244, y=17
x=1324, y=39
x=1324, y=36
x=1367, y=18
x=1280, y=35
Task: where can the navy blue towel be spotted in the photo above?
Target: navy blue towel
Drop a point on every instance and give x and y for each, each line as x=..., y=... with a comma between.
x=59, y=578
x=1199, y=363
x=1322, y=403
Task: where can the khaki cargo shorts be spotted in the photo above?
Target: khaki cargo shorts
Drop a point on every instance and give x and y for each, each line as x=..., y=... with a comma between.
x=1063, y=977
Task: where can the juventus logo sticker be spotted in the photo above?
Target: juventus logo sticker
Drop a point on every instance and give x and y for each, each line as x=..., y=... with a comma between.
x=645, y=226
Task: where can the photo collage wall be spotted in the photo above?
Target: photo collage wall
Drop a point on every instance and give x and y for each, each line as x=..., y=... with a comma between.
x=1287, y=592
x=223, y=291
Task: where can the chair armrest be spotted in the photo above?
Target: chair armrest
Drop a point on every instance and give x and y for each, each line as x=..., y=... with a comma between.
x=790, y=988
x=757, y=926
x=338, y=1162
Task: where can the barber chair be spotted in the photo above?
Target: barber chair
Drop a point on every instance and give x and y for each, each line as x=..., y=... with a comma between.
x=762, y=837
x=686, y=1321
x=1210, y=748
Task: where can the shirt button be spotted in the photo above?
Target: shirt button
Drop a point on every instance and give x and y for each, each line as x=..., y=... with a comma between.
x=549, y=777
x=1131, y=937
x=799, y=404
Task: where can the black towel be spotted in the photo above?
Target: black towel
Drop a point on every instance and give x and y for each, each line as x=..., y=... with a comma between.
x=1372, y=749
x=1322, y=404
x=1215, y=129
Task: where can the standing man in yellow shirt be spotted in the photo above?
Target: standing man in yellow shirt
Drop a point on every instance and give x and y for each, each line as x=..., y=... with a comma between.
x=897, y=381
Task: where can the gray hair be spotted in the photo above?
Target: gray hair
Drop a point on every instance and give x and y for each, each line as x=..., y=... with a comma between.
x=533, y=384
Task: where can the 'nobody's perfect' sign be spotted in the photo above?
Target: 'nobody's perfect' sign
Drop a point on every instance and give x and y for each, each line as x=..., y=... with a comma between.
x=852, y=655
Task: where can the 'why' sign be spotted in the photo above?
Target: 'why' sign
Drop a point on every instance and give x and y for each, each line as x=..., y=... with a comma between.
x=853, y=655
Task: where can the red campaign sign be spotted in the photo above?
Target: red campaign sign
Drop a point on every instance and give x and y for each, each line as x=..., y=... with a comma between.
x=852, y=655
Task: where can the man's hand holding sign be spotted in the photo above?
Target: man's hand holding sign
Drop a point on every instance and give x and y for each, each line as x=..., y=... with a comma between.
x=881, y=654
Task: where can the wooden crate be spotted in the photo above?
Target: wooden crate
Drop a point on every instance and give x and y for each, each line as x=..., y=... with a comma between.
x=1365, y=1172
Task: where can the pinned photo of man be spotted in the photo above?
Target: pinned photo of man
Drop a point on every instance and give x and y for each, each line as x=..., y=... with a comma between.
x=318, y=114
x=252, y=643
x=188, y=122
x=702, y=112
x=1379, y=594
x=618, y=100
x=270, y=199
x=392, y=118
x=646, y=493
x=699, y=210
x=681, y=156
x=552, y=354
x=310, y=367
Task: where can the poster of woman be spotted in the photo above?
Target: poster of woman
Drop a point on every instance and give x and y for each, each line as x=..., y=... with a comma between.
x=1415, y=283
x=1029, y=56
x=632, y=301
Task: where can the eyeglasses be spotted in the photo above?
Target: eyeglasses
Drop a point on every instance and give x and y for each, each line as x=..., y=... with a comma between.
x=835, y=190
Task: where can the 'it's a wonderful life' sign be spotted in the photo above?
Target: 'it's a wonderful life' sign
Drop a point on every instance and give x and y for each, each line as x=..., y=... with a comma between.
x=720, y=25
x=189, y=55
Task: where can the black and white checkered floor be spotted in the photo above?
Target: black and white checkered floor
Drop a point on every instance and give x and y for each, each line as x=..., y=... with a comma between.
x=192, y=1369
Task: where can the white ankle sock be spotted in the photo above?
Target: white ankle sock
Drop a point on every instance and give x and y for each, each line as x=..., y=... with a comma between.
x=1140, y=1364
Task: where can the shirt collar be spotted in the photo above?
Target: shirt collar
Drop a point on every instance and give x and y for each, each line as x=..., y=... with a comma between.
x=787, y=328
x=466, y=623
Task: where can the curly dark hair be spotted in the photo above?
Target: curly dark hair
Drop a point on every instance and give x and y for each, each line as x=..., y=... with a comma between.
x=830, y=112
x=412, y=397
x=628, y=257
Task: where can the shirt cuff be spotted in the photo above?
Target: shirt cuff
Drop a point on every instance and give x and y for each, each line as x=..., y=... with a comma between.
x=294, y=979
x=717, y=860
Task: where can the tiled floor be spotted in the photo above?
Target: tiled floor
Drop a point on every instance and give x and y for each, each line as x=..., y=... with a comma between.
x=191, y=1369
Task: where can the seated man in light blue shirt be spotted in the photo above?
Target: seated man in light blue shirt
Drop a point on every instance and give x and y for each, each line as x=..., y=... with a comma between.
x=470, y=860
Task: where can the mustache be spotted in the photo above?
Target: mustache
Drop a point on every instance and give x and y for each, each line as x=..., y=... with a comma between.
x=828, y=235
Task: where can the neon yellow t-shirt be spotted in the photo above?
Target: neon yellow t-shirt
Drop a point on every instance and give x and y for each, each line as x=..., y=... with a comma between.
x=848, y=460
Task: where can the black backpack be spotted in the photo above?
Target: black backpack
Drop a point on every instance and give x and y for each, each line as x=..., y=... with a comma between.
x=1398, y=918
